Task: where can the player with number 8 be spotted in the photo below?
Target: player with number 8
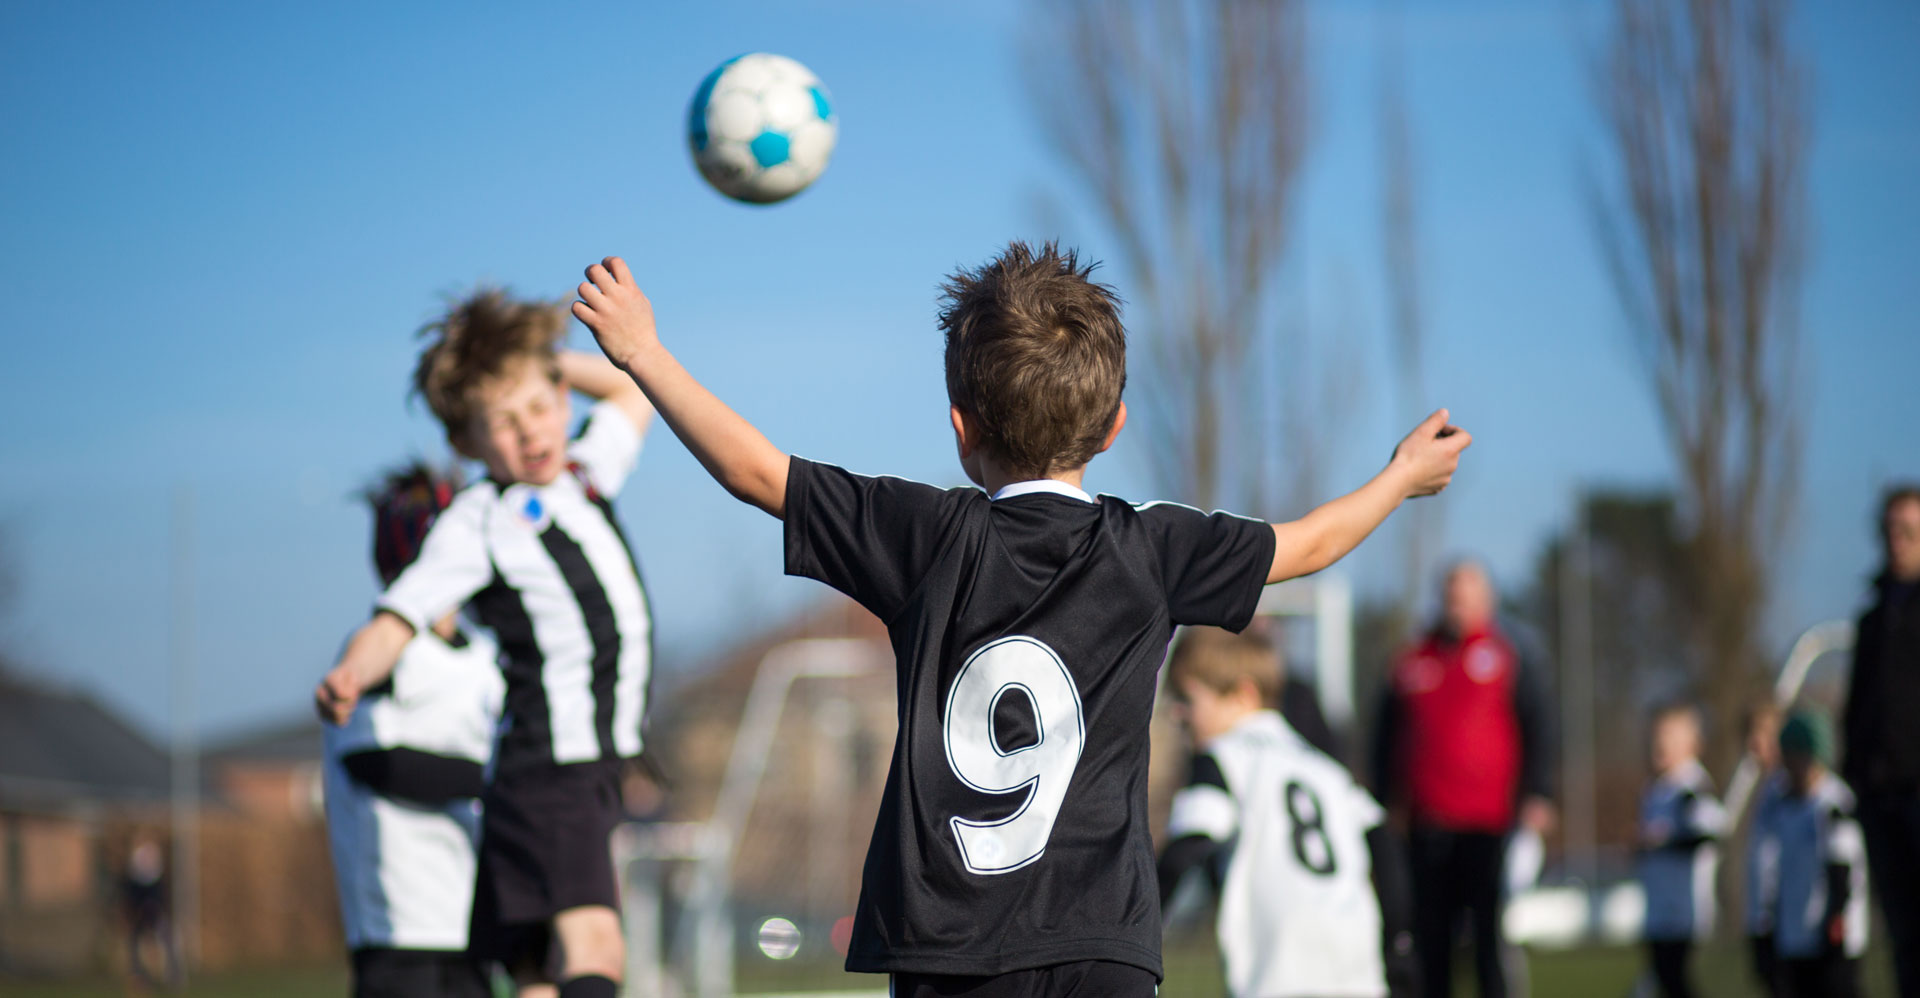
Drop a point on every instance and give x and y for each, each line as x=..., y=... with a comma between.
x=1012, y=853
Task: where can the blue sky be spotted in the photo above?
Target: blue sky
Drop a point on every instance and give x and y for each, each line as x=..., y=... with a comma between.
x=224, y=221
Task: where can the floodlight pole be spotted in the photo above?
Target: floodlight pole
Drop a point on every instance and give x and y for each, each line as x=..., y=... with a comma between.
x=1579, y=795
x=184, y=878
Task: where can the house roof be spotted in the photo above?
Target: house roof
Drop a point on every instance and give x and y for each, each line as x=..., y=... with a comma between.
x=59, y=748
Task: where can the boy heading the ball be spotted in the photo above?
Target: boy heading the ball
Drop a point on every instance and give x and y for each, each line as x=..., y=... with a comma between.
x=1012, y=853
x=534, y=553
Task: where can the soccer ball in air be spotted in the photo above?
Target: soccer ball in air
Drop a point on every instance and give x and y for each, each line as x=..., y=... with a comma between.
x=761, y=128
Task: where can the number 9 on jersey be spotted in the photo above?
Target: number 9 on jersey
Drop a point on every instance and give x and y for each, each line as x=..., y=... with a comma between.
x=1013, y=666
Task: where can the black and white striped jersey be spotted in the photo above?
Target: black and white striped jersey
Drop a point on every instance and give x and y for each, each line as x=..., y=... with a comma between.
x=1680, y=822
x=1028, y=630
x=1298, y=912
x=404, y=865
x=547, y=569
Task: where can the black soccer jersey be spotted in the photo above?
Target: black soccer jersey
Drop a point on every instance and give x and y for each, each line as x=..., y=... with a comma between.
x=1027, y=630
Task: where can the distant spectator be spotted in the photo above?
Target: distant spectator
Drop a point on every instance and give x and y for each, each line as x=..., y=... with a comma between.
x=145, y=908
x=1882, y=760
x=1680, y=820
x=1463, y=754
x=1818, y=904
x=1761, y=729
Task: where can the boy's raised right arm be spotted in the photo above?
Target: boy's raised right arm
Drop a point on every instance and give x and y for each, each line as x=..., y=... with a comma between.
x=736, y=454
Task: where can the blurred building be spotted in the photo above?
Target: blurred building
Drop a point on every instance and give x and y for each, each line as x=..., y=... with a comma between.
x=74, y=781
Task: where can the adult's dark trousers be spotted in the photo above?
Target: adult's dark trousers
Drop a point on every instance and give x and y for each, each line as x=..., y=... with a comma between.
x=1829, y=976
x=1892, y=826
x=1457, y=880
x=1669, y=959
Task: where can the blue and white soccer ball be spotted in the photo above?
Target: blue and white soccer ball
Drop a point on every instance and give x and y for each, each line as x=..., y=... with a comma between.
x=761, y=128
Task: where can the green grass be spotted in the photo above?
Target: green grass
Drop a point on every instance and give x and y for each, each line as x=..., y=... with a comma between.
x=1720, y=971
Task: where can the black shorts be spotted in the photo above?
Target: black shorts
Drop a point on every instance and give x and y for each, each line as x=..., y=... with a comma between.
x=1081, y=979
x=412, y=973
x=543, y=849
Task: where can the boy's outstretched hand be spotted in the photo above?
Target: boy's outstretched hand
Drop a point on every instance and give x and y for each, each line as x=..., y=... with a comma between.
x=1429, y=455
x=335, y=697
x=613, y=307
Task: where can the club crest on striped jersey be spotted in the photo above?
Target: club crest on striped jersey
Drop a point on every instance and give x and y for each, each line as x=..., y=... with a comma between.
x=528, y=506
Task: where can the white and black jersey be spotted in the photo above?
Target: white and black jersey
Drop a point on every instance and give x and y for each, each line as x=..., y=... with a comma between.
x=1763, y=858
x=401, y=779
x=1819, y=870
x=1298, y=912
x=547, y=569
x=1680, y=821
x=1027, y=631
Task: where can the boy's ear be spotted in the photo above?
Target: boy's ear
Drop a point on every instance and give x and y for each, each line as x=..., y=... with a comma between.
x=965, y=434
x=1119, y=420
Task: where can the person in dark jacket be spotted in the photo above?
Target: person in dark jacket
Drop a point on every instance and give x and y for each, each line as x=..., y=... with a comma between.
x=1882, y=760
x=1463, y=754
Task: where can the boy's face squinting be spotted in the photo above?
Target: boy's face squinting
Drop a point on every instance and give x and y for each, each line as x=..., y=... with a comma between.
x=519, y=428
x=1207, y=713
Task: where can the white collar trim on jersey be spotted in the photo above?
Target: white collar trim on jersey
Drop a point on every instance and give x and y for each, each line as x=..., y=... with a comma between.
x=1041, y=485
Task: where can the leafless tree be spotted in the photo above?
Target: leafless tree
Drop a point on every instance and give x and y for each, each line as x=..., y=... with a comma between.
x=1699, y=210
x=1400, y=244
x=1183, y=123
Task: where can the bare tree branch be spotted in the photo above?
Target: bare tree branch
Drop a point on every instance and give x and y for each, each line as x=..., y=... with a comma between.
x=1700, y=223
x=1185, y=124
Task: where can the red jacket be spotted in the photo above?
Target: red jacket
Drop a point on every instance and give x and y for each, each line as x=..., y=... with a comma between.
x=1463, y=732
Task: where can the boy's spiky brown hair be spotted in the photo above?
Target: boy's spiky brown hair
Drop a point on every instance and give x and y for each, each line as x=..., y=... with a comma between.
x=479, y=339
x=1036, y=355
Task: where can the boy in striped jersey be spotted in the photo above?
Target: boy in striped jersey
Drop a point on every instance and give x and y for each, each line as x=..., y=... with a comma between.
x=534, y=552
x=403, y=780
x=1679, y=823
x=1817, y=903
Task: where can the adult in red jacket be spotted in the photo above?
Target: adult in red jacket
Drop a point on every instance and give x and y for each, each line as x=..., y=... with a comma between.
x=1463, y=754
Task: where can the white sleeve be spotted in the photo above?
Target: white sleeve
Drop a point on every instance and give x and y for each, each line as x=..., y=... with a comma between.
x=1844, y=842
x=1201, y=809
x=607, y=448
x=1367, y=812
x=1708, y=817
x=453, y=564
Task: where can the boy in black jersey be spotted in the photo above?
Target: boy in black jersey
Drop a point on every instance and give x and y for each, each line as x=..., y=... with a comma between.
x=1011, y=854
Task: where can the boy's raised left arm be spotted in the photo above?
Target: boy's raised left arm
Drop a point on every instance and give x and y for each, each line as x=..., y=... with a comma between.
x=735, y=453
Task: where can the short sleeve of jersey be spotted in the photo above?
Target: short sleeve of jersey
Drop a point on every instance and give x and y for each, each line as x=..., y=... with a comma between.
x=607, y=448
x=871, y=538
x=1367, y=812
x=1213, y=565
x=452, y=566
x=1204, y=806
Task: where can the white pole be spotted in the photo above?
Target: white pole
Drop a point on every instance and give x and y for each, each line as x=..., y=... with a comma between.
x=1333, y=648
x=184, y=883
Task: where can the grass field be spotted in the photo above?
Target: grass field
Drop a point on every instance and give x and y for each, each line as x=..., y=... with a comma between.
x=1719, y=972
